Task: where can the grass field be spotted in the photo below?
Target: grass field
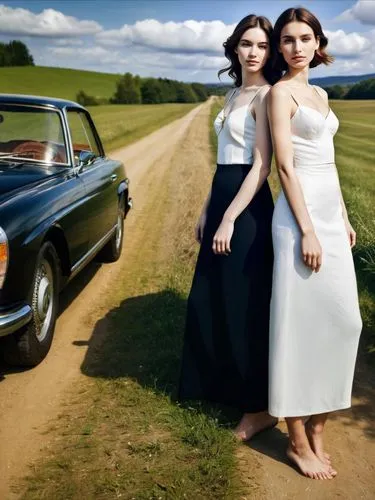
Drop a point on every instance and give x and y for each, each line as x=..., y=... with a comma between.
x=119, y=125
x=355, y=154
x=56, y=82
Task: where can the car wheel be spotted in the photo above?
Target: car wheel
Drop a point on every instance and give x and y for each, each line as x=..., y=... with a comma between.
x=31, y=343
x=112, y=250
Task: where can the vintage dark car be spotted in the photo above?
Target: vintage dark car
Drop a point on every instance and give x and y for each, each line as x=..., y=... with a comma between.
x=62, y=201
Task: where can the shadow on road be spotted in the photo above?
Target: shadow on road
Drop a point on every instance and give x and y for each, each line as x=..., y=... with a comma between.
x=142, y=339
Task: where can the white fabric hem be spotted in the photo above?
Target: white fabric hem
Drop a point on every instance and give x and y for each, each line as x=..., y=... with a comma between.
x=303, y=413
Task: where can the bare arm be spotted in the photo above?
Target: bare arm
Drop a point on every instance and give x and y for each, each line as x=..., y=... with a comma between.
x=279, y=112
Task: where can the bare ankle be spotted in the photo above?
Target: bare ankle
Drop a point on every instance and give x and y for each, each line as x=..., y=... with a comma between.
x=301, y=448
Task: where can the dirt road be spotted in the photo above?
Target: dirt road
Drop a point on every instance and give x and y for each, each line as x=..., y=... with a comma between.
x=30, y=400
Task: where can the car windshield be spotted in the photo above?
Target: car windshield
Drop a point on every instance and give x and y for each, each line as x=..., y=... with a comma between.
x=31, y=134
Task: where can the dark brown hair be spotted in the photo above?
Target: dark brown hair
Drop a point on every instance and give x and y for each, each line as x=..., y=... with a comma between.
x=301, y=15
x=234, y=69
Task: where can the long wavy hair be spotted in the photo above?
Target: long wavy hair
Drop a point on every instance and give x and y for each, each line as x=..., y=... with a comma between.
x=234, y=69
x=302, y=15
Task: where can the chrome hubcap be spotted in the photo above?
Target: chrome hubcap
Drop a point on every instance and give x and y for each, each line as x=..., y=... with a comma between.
x=43, y=299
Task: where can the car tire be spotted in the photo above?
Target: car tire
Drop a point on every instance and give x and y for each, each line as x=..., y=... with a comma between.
x=112, y=250
x=29, y=345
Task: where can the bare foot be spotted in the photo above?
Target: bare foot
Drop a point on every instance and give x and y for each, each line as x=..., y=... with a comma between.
x=252, y=423
x=315, y=437
x=309, y=464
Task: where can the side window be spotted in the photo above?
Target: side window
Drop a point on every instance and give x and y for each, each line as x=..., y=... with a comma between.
x=83, y=137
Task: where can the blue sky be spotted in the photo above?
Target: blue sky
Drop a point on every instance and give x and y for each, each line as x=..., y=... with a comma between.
x=178, y=39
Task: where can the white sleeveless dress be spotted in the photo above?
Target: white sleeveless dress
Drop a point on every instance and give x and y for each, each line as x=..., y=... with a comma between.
x=315, y=321
x=236, y=134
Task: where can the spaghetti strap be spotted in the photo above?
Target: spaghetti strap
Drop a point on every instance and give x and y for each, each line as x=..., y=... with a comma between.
x=294, y=99
x=254, y=96
x=319, y=94
x=250, y=107
x=225, y=108
x=292, y=96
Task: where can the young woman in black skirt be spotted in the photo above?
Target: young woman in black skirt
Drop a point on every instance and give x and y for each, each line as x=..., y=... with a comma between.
x=225, y=357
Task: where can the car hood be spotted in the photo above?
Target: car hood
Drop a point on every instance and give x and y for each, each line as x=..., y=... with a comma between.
x=21, y=175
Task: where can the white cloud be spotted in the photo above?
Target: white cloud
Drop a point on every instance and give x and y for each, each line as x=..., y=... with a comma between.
x=351, y=67
x=181, y=62
x=189, y=36
x=48, y=23
x=68, y=41
x=363, y=11
x=88, y=55
x=351, y=45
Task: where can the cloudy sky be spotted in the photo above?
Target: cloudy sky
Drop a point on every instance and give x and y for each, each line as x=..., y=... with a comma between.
x=179, y=39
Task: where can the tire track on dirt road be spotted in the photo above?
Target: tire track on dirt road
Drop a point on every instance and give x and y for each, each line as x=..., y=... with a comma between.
x=29, y=399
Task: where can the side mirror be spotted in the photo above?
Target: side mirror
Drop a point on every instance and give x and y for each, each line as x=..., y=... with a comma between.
x=85, y=158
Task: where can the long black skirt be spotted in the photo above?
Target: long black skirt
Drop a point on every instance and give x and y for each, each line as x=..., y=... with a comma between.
x=225, y=355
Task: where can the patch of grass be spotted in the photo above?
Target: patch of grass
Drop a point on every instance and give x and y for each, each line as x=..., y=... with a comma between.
x=119, y=125
x=63, y=83
x=355, y=147
x=215, y=109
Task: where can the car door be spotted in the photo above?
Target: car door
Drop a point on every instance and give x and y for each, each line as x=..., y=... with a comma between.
x=98, y=177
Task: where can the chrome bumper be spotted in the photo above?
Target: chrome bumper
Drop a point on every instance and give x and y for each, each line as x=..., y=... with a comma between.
x=12, y=320
x=129, y=205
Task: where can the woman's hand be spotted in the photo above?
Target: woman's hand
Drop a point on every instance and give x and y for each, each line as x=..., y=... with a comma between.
x=311, y=251
x=352, y=235
x=199, y=228
x=221, y=241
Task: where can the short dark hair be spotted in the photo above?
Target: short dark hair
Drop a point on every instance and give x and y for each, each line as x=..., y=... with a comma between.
x=234, y=69
x=301, y=15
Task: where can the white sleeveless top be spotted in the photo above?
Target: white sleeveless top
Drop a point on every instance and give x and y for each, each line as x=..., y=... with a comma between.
x=236, y=134
x=312, y=135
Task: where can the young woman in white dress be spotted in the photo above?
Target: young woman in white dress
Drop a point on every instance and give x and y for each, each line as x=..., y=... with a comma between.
x=315, y=321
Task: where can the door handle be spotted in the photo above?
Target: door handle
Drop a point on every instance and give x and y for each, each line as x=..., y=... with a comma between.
x=113, y=177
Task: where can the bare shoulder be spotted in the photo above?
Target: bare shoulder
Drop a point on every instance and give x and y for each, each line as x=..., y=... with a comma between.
x=261, y=97
x=263, y=92
x=321, y=91
x=279, y=91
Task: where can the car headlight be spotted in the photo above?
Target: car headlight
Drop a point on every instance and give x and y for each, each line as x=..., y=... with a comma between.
x=4, y=256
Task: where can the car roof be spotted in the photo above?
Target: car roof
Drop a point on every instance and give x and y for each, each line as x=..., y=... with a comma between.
x=38, y=100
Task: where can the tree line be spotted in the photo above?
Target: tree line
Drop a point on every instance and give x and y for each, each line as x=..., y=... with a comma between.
x=361, y=90
x=132, y=89
x=15, y=53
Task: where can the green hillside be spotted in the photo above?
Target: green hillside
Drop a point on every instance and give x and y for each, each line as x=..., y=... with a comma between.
x=56, y=82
